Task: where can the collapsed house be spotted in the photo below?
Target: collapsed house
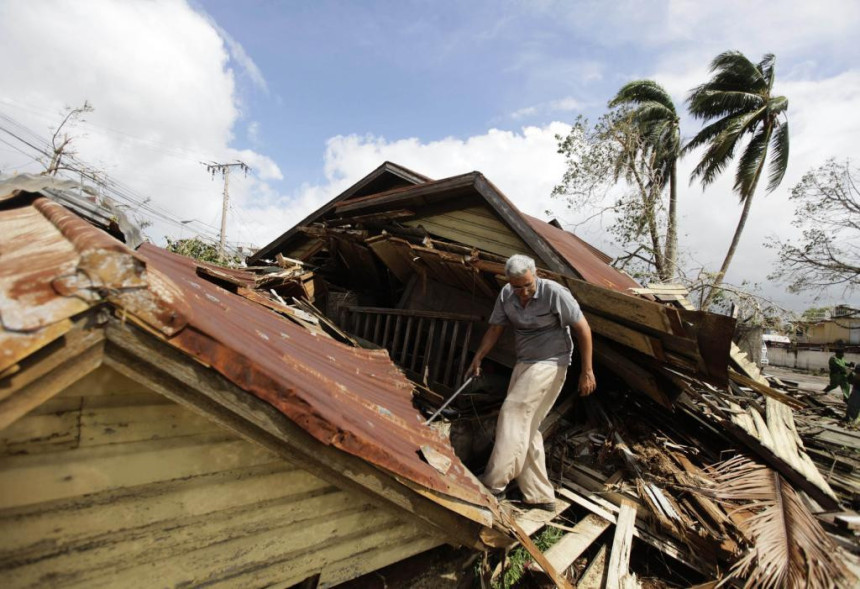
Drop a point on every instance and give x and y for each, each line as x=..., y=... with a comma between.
x=164, y=419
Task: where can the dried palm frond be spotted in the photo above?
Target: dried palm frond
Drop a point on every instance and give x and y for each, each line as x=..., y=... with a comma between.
x=789, y=547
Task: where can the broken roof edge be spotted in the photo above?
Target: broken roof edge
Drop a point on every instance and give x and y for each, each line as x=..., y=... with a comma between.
x=83, y=200
x=386, y=167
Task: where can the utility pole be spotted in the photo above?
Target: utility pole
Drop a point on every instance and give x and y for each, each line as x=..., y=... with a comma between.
x=214, y=168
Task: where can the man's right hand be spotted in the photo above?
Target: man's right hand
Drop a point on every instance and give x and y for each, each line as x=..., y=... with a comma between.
x=474, y=368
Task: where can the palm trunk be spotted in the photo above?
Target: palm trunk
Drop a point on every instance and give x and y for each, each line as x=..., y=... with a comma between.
x=671, y=257
x=718, y=279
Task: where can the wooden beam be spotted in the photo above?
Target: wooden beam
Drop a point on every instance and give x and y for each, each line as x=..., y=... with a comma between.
x=152, y=362
x=639, y=379
x=75, y=355
x=415, y=196
x=626, y=336
x=619, y=558
x=534, y=551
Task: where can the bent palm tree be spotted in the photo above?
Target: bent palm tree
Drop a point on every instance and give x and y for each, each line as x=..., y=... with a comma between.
x=653, y=114
x=738, y=100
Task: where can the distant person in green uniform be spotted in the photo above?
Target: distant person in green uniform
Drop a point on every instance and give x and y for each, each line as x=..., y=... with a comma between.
x=840, y=371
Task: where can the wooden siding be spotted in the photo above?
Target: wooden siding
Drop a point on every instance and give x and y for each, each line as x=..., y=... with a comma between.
x=477, y=226
x=110, y=484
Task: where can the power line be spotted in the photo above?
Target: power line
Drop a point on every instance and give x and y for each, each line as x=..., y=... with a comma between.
x=121, y=192
x=174, y=151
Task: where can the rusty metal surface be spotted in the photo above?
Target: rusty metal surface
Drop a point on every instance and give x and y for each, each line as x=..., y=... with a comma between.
x=580, y=255
x=53, y=266
x=100, y=210
x=351, y=398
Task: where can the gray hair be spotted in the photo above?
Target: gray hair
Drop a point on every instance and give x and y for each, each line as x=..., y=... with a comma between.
x=518, y=264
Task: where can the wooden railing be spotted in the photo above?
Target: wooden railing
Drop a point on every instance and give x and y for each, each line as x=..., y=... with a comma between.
x=431, y=346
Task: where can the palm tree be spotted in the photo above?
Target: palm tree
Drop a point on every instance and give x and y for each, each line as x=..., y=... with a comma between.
x=738, y=101
x=653, y=115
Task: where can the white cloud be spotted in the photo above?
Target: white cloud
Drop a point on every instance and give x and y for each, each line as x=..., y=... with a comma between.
x=560, y=105
x=161, y=78
x=524, y=112
x=565, y=104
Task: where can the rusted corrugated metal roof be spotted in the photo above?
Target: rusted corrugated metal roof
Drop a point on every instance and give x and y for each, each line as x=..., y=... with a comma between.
x=351, y=398
x=580, y=255
x=54, y=266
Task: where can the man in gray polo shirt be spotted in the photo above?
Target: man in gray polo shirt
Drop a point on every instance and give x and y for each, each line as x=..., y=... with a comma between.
x=543, y=314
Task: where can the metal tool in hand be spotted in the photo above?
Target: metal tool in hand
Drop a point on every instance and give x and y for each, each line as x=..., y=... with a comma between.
x=448, y=402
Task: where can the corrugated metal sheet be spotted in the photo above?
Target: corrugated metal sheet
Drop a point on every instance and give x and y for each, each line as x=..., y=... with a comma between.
x=354, y=399
x=580, y=255
x=99, y=210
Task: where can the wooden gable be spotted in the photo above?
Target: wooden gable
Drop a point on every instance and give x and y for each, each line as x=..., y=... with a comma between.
x=111, y=484
x=476, y=225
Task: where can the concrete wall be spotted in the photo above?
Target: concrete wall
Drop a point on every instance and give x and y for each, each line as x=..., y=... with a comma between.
x=804, y=359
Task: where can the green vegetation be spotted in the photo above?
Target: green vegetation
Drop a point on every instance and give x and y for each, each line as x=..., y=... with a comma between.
x=654, y=118
x=198, y=249
x=519, y=557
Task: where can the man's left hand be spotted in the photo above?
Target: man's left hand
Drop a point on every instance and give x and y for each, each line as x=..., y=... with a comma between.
x=587, y=383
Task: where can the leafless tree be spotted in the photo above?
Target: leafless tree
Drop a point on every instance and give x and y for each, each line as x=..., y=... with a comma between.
x=60, y=140
x=828, y=211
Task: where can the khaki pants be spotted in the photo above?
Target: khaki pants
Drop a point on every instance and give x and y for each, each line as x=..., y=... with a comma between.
x=518, y=452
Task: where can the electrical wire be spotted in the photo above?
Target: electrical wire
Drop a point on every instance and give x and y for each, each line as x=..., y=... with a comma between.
x=125, y=195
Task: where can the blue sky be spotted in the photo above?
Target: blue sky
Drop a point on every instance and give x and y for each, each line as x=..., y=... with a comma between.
x=313, y=95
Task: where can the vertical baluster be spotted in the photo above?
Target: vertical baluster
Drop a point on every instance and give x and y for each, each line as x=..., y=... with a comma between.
x=406, y=341
x=395, y=340
x=428, y=349
x=464, y=353
x=386, y=331
x=418, y=333
x=437, y=359
x=376, y=328
x=449, y=364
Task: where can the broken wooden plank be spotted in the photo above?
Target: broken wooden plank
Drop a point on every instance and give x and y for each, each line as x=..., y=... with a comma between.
x=618, y=571
x=563, y=553
x=765, y=390
x=595, y=574
x=597, y=505
x=849, y=522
